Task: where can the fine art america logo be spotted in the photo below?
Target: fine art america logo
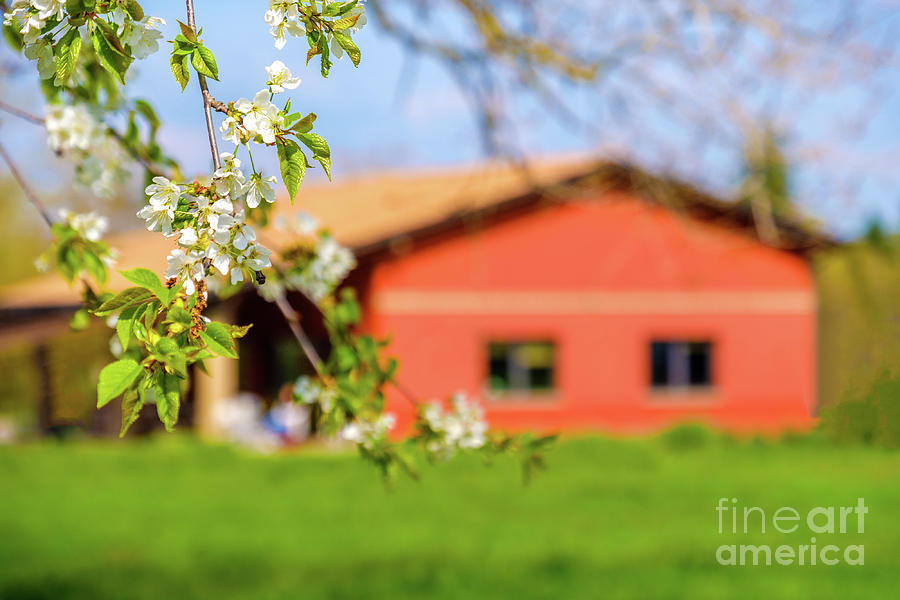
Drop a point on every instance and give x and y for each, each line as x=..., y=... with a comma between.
x=821, y=520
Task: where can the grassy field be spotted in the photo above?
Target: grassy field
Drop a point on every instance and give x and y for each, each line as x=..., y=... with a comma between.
x=171, y=518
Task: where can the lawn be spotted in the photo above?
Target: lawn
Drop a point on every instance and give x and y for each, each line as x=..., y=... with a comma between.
x=173, y=518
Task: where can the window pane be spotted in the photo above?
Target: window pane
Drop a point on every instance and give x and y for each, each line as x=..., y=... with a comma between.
x=521, y=366
x=680, y=364
x=699, y=363
x=659, y=357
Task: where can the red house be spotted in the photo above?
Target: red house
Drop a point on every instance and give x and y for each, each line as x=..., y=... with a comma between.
x=580, y=298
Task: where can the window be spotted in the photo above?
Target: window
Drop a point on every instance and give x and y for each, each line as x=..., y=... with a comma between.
x=680, y=364
x=521, y=367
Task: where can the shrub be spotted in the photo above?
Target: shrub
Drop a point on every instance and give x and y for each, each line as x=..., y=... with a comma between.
x=871, y=416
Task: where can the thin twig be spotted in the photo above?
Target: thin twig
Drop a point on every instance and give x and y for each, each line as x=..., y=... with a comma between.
x=26, y=189
x=145, y=161
x=207, y=97
x=293, y=320
x=22, y=114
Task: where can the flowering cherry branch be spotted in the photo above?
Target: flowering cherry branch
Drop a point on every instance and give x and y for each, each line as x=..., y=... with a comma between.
x=83, y=49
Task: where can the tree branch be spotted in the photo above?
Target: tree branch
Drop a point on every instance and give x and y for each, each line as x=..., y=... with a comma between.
x=207, y=97
x=26, y=189
x=293, y=320
x=18, y=112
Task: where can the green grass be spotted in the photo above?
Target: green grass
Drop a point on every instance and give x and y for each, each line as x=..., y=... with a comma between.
x=172, y=518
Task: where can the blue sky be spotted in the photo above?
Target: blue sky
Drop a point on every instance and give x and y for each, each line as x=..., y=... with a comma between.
x=398, y=111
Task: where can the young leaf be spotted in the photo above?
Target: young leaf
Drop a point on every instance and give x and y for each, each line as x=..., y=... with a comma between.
x=148, y=280
x=115, y=378
x=205, y=63
x=218, y=339
x=168, y=398
x=66, y=55
x=293, y=165
x=132, y=404
x=134, y=9
x=346, y=42
x=128, y=297
x=320, y=150
x=188, y=32
x=305, y=124
x=180, y=69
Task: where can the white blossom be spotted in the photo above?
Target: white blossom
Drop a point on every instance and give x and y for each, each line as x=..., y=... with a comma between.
x=229, y=179
x=260, y=188
x=308, y=390
x=261, y=117
x=90, y=226
x=187, y=267
x=280, y=78
x=231, y=130
x=369, y=434
x=160, y=212
x=143, y=36
x=188, y=237
x=70, y=127
x=462, y=427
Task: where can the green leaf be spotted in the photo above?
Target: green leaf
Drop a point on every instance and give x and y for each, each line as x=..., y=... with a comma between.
x=177, y=314
x=205, y=63
x=134, y=9
x=218, y=339
x=111, y=57
x=180, y=69
x=144, y=107
x=66, y=55
x=293, y=165
x=80, y=320
x=148, y=280
x=128, y=297
x=131, y=409
x=95, y=266
x=13, y=38
x=320, y=150
x=166, y=345
x=168, y=398
x=346, y=42
x=125, y=322
x=115, y=378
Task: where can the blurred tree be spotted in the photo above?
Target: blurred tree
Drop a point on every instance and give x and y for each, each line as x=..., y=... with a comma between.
x=680, y=81
x=22, y=234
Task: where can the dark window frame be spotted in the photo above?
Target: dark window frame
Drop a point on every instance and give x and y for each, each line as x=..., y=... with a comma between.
x=520, y=379
x=681, y=364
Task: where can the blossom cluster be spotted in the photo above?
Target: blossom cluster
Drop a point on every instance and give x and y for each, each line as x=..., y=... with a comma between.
x=462, y=427
x=31, y=17
x=286, y=18
x=319, y=263
x=90, y=226
x=78, y=246
x=259, y=119
x=210, y=224
x=74, y=132
x=368, y=433
x=309, y=390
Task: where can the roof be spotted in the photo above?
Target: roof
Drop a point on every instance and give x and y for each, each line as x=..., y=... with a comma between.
x=373, y=214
